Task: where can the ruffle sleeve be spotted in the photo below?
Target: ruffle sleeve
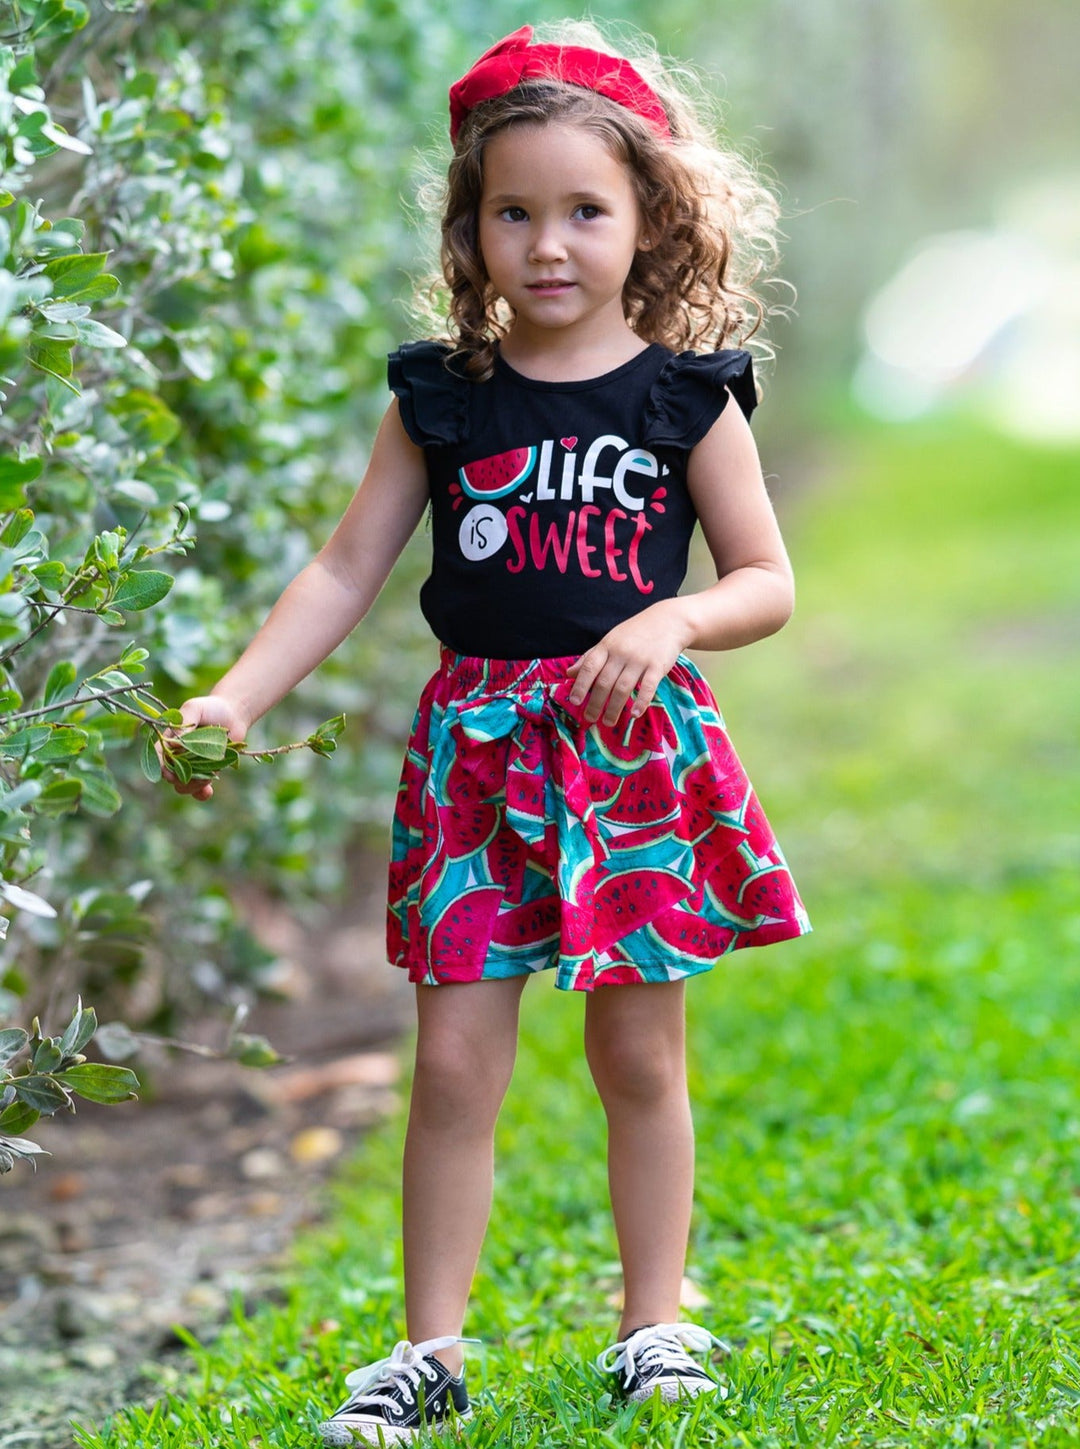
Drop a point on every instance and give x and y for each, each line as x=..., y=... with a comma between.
x=691, y=392
x=433, y=398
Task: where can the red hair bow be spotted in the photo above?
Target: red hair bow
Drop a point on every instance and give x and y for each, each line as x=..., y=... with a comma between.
x=513, y=60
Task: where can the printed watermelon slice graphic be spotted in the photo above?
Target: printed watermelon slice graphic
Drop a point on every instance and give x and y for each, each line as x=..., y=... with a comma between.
x=495, y=477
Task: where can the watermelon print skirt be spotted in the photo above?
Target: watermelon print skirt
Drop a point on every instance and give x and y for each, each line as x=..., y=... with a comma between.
x=524, y=839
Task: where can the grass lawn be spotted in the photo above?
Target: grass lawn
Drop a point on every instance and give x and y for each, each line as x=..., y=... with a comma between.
x=887, y=1111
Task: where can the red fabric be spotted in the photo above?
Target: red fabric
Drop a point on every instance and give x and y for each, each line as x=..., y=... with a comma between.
x=513, y=60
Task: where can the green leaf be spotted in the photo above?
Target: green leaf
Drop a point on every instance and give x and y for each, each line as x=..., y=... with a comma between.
x=79, y=1030
x=57, y=18
x=17, y=527
x=12, y=1041
x=96, y=334
x=59, y=137
x=179, y=766
x=44, y=1094
x=54, y=358
x=12, y=1147
x=141, y=588
x=100, y=1082
x=59, y=684
x=252, y=1051
x=16, y=470
x=64, y=743
x=50, y=575
x=148, y=758
x=99, y=795
x=18, y=1117
x=48, y=1056
x=99, y=290
x=59, y=797
x=111, y=913
x=110, y=679
x=70, y=275
x=105, y=550
x=22, y=743
x=23, y=793
x=24, y=900
x=64, y=311
x=23, y=77
x=209, y=742
x=134, y=491
x=147, y=419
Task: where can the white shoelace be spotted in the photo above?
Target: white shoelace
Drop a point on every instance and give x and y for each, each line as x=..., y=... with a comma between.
x=402, y=1372
x=655, y=1347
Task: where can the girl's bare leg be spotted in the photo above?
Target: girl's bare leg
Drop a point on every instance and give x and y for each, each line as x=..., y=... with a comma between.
x=465, y=1047
x=635, y=1041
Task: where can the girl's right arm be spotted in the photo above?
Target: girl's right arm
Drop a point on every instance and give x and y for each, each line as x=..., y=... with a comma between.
x=328, y=598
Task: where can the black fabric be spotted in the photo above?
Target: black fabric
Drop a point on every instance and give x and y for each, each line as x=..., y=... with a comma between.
x=559, y=509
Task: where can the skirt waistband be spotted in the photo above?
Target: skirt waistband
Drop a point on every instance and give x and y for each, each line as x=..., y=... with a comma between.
x=469, y=670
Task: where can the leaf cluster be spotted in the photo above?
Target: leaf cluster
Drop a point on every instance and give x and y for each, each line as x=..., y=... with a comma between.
x=202, y=753
x=194, y=317
x=52, y=1071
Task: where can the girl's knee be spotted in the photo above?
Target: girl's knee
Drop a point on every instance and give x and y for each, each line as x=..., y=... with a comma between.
x=635, y=1042
x=457, y=1079
x=635, y=1069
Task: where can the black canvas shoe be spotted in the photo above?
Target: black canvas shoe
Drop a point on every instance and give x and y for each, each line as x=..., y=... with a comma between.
x=392, y=1400
x=655, y=1358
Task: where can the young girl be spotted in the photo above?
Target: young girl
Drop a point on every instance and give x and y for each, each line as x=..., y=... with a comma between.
x=569, y=798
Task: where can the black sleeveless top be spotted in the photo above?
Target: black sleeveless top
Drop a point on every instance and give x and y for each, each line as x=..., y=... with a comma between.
x=559, y=509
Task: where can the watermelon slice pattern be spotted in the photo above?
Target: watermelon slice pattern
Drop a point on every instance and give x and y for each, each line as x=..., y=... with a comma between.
x=496, y=477
x=524, y=839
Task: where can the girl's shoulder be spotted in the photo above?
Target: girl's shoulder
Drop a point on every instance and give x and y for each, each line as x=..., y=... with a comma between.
x=692, y=390
x=685, y=397
x=432, y=392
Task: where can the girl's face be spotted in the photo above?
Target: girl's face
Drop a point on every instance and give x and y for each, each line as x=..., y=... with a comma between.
x=559, y=225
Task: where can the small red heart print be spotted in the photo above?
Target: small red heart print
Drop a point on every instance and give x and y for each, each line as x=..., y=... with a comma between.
x=568, y=443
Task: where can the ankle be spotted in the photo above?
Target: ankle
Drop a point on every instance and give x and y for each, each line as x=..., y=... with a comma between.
x=632, y=1323
x=451, y=1358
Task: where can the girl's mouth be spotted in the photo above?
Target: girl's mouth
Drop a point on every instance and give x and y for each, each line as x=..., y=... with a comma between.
x=547, y=288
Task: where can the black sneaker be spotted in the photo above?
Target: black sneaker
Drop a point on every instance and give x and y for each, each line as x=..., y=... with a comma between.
x=655, y=1358
x=392, y=1400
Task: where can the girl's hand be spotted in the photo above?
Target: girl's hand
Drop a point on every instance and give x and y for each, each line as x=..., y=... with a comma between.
x=634, y=656
x=204, y=709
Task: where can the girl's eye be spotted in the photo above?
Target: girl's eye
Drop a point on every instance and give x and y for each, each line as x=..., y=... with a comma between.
x=513, y=213
x=587, y=211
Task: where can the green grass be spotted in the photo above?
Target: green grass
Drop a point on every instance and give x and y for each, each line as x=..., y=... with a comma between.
x=888, y=1123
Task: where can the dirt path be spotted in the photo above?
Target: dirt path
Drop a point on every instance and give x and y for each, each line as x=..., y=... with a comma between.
x=157, y=1213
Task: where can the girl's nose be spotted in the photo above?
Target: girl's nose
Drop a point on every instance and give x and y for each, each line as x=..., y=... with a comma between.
x=547, y=245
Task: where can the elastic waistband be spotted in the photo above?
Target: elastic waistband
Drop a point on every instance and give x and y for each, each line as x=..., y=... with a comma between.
x=469, y=670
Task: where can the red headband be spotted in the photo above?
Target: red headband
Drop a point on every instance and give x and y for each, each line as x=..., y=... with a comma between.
x=514, y=60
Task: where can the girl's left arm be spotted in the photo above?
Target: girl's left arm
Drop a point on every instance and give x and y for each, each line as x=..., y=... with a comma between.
x=753, y=596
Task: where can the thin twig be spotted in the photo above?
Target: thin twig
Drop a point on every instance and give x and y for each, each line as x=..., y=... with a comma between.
x=74, y=700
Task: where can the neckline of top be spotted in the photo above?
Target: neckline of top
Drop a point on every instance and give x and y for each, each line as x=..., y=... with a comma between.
x=579, y=384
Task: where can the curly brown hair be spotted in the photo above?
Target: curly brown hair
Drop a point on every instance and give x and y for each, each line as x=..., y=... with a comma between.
x=712, y=220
